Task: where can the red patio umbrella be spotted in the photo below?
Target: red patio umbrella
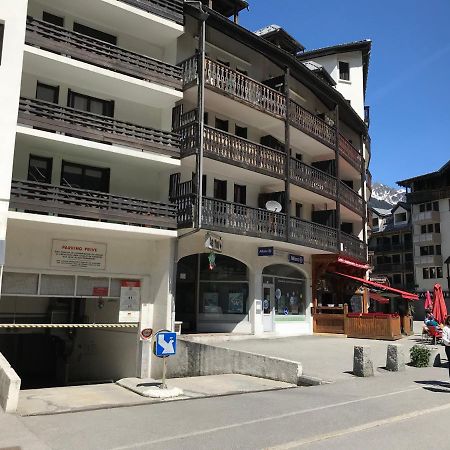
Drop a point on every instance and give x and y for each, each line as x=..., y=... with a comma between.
x=428, y=302
x=439, y=307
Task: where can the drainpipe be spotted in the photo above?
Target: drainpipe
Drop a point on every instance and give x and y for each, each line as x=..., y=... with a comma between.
x=287, y=151
x=338, y=185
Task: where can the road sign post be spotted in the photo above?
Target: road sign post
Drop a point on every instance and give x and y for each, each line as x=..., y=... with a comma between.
x=164, y=345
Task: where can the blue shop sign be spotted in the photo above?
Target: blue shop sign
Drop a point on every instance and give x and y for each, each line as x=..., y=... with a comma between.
x=297, y=259
x=265, y=251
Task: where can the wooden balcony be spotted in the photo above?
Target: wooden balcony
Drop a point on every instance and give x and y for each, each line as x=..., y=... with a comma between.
x=313, y=235
x=313, y=179
x=44, y=198
x=102, y=54
x=352, y=200
x=168, y=9
x=350, y=153
x=94, y=127
x=233, y=84
x=354, y=247
x=312, y=125
x=240, y=219
x=369, y=180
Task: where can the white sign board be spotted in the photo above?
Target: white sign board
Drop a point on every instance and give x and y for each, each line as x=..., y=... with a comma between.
x=78, y=255
x=130, y=301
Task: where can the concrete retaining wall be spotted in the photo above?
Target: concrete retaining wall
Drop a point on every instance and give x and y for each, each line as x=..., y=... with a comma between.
x=9, y=386
x=195, y=359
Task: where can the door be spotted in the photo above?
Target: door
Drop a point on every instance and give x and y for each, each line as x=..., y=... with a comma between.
x=268, y=307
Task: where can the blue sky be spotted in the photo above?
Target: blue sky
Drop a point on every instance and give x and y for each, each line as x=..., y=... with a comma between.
x=409, y=76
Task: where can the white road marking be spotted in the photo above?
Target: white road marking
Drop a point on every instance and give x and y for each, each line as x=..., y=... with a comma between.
x=264, y=419
x=363, y=427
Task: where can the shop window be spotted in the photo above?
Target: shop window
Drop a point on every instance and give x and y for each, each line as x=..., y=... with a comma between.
x=40, y=169
x=425, y=273
x=2, y=32
x=344, y=70
x=439, y=272
x=47, y=93
x=241, y=131
x=438, y=250
x=85, y=177
x=432, y=272
x=220, y=189
x=97, y=34
x=90, y=104
x=397, y=278
x=52, y=18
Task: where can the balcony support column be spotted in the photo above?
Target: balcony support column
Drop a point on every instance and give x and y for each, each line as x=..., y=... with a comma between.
x=338, y=184
x=201, y=118
x=287, y=151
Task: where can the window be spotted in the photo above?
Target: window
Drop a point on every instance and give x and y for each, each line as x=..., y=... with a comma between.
x=428, y=206
x=51, y=18
x=298, y=210
x=422, y=207
x=409, y=278
x=240, y=194
x=240, y=131
x=439, y=273
x=423, y=229
x=430, y=228
x=396, y=259
x=427, y=250
x=435, y=206
x=438, y=250
x=432, y=272
x=395, y=239
x=222, y=124
x=397, y=278
x=47, y=93
x=408, y=257
x=344, y=70
x=2, y=32
x=380, y=259
x=92, y=32
x=400, y=217
x=375, y=222
x=425, y=273
x=220, y=189
x=437, y=227
x=90, y=104
x=204, y=180
x=40, y=169
x=84, y=177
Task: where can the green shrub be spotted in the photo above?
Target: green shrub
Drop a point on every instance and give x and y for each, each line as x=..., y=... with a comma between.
x=420, y=355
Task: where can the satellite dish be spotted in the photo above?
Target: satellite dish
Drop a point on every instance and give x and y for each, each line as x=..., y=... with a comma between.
x=273, y=206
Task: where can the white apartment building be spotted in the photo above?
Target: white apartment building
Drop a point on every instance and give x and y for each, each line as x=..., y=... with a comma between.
x=429, y=196
x=160, y=163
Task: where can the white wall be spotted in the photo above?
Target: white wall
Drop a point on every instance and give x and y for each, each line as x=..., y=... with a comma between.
x=12, y=15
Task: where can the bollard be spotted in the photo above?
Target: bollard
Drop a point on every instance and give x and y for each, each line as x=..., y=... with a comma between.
x=395, y=358
x=435, y=357
x=362, y=363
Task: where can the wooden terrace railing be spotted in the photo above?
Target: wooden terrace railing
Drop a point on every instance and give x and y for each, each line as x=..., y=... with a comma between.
x=352, y=246
x=350, y=153
x=312, y=179
x=312, y=234
x=169, y=9
x=310, y=124
x=67, y=201
x=102, y=54
x=95, y=127
x=351, y=199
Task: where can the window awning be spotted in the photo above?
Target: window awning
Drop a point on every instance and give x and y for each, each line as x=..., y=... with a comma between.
x=379, y=286
x=378, y=298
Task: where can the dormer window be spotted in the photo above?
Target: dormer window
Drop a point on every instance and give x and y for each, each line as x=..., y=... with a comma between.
x=344, y=71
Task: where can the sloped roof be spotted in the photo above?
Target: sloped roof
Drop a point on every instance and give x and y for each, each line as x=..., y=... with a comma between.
x=280, y=37
x=439, y=172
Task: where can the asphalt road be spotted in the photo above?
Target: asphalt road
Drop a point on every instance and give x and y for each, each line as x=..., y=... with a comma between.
x=399, y=411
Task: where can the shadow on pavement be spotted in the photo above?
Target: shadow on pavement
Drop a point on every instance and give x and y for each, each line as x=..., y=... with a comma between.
x=436, y=386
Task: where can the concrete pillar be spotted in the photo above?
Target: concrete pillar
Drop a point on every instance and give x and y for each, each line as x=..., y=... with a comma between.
x=362, y=362
x=395, y=358
x=255, y=295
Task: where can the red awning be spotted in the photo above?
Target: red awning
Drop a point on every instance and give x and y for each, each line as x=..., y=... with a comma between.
x=378, y=298
x=372, y=284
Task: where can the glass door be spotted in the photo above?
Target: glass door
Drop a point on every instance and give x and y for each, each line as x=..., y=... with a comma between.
x=268, y=307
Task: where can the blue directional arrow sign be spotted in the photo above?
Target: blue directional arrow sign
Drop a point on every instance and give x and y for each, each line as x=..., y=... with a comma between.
x=165, y=344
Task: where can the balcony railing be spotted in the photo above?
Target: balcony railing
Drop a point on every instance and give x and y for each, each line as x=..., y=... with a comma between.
x=312, y=179
x=350, y=153
x=313, y=235
x=369, y=180
x=394, y=267
x=102, y=54
x=351, y=199
x=238, y=86
x=353, y=246
x=85, y=125
x=428, y=195
x=310, y=124
x=240, y=219
x=44, y=198
x=169, y=9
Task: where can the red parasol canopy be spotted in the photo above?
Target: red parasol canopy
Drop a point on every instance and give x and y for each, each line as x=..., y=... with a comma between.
x=428, y=302
x=439, y=307
x=378, y=298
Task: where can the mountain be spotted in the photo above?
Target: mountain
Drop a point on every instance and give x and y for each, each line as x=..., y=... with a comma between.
x=385, y=197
